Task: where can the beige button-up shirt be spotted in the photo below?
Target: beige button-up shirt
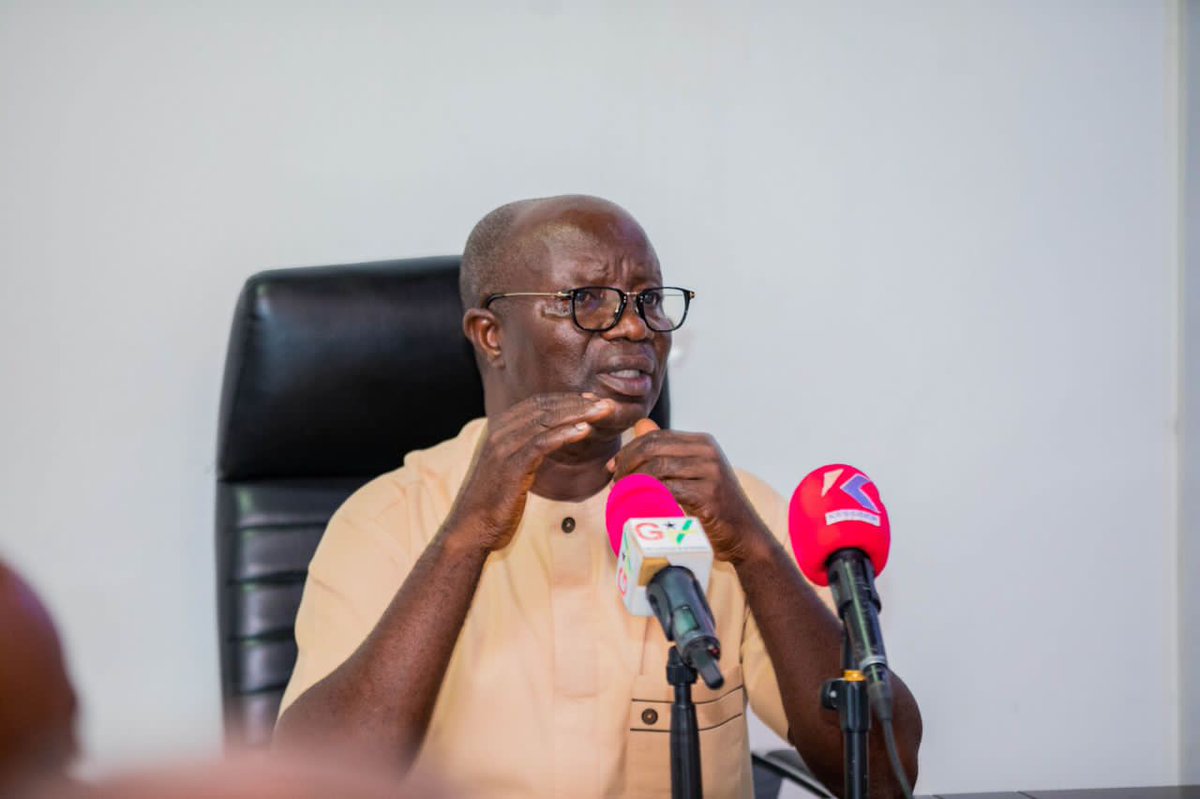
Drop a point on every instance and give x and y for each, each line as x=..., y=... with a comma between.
x=553, y=688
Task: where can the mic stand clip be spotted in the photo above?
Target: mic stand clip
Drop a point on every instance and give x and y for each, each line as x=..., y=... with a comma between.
x=848, y=696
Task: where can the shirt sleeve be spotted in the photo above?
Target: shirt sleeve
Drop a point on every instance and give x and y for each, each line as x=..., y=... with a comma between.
x=362, y=560
x=759, y=673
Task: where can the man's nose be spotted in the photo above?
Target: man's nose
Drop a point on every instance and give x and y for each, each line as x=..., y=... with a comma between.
x=630, y=325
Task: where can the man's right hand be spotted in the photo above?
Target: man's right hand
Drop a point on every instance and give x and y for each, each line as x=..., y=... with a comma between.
x=490, y=503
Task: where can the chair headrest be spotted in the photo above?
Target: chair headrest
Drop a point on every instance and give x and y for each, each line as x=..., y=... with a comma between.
x=342, y=370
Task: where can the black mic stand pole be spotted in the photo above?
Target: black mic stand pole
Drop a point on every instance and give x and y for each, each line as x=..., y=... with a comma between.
x=678, y=602
x=685, y=731
x=848, y=696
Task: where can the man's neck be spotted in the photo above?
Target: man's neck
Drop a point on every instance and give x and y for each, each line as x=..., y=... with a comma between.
x=576, y=472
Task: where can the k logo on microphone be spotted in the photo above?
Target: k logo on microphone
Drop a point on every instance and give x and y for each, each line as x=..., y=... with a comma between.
x=854, y=489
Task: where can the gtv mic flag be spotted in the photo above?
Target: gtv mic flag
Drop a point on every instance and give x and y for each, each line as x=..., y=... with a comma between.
x=648, y=531
x=664, y=561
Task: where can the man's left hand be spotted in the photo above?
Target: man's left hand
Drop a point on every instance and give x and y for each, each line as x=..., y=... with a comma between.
x=695, y=469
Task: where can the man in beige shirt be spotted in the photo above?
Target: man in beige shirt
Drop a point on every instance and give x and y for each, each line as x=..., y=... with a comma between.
x=462, y=609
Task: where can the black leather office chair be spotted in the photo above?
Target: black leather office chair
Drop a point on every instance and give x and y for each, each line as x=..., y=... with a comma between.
x=333, y=374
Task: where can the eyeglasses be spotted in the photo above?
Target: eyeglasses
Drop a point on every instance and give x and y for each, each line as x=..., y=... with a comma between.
x=599, y=308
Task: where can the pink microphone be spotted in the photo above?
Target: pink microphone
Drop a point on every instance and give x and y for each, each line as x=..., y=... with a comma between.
x=637, y=496
x=663, y=565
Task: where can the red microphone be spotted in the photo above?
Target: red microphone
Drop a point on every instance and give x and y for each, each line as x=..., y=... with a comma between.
x=840, y=534
x=837, y=507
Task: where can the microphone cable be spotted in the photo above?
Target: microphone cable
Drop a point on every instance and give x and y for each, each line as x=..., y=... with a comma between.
x=882, y=705
x=889, y=741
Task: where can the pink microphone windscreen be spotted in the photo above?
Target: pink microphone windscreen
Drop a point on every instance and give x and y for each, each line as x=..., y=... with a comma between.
x=638, y=496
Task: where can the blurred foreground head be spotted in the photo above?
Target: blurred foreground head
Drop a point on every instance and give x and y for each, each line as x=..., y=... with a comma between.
x=37, y=702
x=262, y=775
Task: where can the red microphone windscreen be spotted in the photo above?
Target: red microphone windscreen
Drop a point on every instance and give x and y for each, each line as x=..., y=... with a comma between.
x=637, y=496
x=837, y=507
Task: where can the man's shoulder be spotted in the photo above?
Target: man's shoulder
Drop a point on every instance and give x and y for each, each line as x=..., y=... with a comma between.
x=770, y=505
x=433, y=473
x=758, y=491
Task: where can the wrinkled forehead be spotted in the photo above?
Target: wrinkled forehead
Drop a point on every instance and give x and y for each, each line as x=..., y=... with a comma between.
x=601, y=245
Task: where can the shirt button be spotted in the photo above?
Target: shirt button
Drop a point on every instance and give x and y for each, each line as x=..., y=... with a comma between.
x=568, y=524
x=649, y=716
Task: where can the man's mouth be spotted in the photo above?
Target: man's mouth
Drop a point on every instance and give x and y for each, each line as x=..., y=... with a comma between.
x=634, y=383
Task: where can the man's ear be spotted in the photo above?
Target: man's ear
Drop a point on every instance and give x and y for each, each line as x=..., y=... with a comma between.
x=482, y=329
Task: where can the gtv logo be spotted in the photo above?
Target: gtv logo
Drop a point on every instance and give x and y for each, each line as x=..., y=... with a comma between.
x=677, y=529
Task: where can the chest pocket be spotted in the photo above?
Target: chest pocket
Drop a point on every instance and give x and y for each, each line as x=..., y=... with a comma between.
x=724, y=742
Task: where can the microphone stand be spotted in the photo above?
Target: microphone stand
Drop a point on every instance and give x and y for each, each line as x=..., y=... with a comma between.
x=848, y=696
x=678, y=602
x=685, y=731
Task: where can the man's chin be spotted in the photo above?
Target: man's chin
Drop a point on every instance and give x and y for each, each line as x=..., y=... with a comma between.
x=626, y=415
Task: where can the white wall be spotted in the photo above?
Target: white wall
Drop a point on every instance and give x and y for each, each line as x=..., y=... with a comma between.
x=933, y=239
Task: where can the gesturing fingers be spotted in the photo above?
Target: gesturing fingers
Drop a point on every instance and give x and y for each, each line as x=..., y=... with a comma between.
x=694, y=469
x=548, y=411
x=690, y=464
x=528, y=431
x=552, y=438
x=672, y=467
x=666, y=454
x=518, y=441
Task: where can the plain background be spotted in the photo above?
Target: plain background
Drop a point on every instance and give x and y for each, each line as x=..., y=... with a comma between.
x=939, y=240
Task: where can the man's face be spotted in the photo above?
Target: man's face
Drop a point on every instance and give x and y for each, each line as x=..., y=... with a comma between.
x=544, y=350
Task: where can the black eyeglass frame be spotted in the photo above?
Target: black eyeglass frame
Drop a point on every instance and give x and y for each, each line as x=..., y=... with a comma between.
x=639, y=298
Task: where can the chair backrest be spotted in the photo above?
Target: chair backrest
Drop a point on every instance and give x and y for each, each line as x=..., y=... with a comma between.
x=333, y=374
